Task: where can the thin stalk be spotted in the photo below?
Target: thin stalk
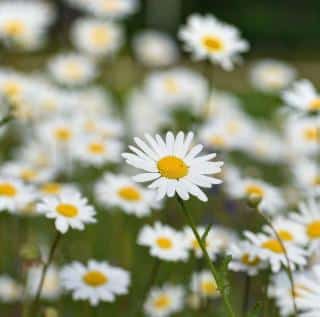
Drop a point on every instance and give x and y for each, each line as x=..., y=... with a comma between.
x=212, y=268
x=288, y=269
x=245, y=303
x=43, y=274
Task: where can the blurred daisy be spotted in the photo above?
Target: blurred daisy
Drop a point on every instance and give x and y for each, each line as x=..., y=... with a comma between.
x=271, y=75
x=203, y=284
x=164, y=301
x=10, y=290
x=207, y=37
x=302, y=96
x=155, y=49
x=164, y=242
x=95, y=37
x=272, y=251
x=245, y=259
x=72, y=69
x=95, y=282
x=69, y=209
x=120, y=191
x=55, y=188
x=173, y=165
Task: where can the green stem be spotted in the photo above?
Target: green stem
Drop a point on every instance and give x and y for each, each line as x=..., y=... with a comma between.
x=245, y=303
x=212, y=268
x=6, y=119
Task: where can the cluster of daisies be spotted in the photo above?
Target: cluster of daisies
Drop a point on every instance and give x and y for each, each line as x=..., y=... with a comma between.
x=64, y=125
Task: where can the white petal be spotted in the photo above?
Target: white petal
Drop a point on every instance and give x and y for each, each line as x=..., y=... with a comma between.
x=145, y=177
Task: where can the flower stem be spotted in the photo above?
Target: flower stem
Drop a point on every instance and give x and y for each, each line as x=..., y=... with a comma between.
x=212, y=268
x=43, y=274
x=288, y=269
x=245, y=303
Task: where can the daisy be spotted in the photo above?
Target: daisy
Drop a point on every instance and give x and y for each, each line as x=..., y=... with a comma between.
x=272, y=251
x=302, y=96
x=10, y=290
x=69, y=209
x=120, y=191
x=245, y=259
x=207, y=37
x=155, y=49
x=164, y=242
x=270, y=75
x=72, y=69
x=95, y=282
x=203, y=284
x=55, y=188
x=173, y=166
x=164, y=301
x=95, y=37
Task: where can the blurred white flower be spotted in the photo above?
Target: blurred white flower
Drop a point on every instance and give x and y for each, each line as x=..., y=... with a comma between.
x=10, y=290
x=203, y=284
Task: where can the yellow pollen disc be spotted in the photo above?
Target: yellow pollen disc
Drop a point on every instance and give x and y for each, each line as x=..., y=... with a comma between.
x=316, y=180
x=212, y=43
x=8, y=190
x=63, y=134
x=217, y=140
x=111, y=5
x=171, y=86
x=51, y=188
x=313, y=229
x=310, y=134
x=172, y=167
x=233, y=127
x=247, y=260
x=273, y=245
x=285, y=235
x=129, y=193
x=67, y=210
x=254, y=190
x=315, y=104
x=196, y=246
x=14, y=28
x=298, y=289
x=73, y=70
x=28, y=175
x=209, y=288
x=96, y=148
x=11, y=89
x=163, y=301
x=95, y=278
x=100, y=36
x=164, y=243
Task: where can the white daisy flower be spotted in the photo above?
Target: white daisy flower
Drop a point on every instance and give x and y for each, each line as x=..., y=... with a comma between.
x=10, y=290
x=120, y=191
x=272, y=251
x=203, y=284
x=173, y=165
x=155, y=49
x=302, y=96
x=164, y=301
x=164, y=242
x=55, y=188
x=95, y=282
x=95, y=37
x=207, y=37
x=245, y=259
x=69, y=209
x=72, y=69
x=270, y=75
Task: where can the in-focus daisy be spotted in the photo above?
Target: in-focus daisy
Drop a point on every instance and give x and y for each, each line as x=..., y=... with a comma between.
x=10, y=290
x=302, y=96
x=272, y=251
x=95, y=282
x=173, y=166
x=271, y=75
x=203, y=284
x=120, y=191
x=164, y=301
x=164, y=242
x=69, y=209
x=207, y=37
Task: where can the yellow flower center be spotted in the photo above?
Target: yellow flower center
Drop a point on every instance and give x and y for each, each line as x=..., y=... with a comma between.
x=6, y=189
x=313, y=229
x=51, y=188
x=217, y=140
x=28, y=175
x=67, y=210
x=95, y=278
x=310, y=133
x=171, y=85
x=100, y=36
x=129, y=193
x=196, y=246
x=273, y=245
x=316, y=180
x=11, y=89
x=164, y=243
x=96, y=148
x=172, y=167
x=73, y=70
x=63, y=134
x=298, y=289
x=250, y=261
x=212, y=43
x=14, y=28
x=254, y=190
x=285, y=235
x=233, y=127
x=111, y=5
x=315, y=104
x=209, y=287
x=162, y=302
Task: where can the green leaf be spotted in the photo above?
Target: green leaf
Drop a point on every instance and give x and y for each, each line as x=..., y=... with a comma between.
x=223, y=275
x=256, y=310
x=205, y=234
